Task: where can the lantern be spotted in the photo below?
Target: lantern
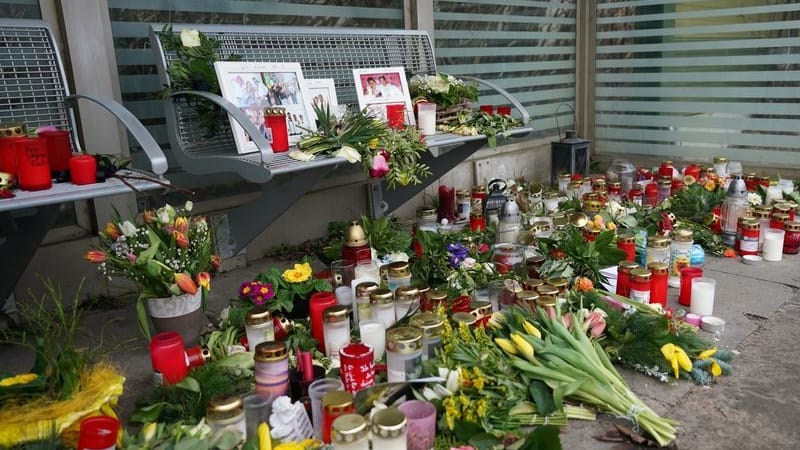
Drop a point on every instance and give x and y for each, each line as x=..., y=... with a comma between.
x=569, y=155
x=734, y=206
x=494, y=201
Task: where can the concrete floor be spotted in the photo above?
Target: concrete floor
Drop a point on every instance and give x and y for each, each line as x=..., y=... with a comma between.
x=757, y=407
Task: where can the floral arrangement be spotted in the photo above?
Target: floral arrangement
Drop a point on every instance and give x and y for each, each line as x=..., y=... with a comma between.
x=474, y=123
x=193, y=69
x=443, y=89
x=570, y=255
x=166, y=253
x=279, y=290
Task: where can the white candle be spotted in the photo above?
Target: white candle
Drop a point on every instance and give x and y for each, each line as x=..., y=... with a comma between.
x=368, y=271
x=373, y=333
x=427, y=118
x=703, y=296
x=773, y=244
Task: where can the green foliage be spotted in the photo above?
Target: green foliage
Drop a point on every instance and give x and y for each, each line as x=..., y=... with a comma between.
x=405, y=148
x=287, y=293
x=443, y=89
x=355, y=129
x=385, y=236
x=479, y=122
x=694, y=202
x=580, y=257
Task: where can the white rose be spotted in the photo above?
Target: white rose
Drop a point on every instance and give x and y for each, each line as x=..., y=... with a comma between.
x=300, y=155
x=128, y=229
x=348, y=153
x=190, y=38
x=188, y=206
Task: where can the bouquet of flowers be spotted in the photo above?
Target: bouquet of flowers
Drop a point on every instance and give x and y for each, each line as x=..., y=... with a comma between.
x=167, y=253
x=443, y=89
x=282, y=291
x=458, y=263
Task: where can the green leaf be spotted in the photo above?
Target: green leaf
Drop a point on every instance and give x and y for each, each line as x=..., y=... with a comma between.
x=150, y=253
x=227, y=440
x=153, y=268
x=465, y=430
x=190, y=384
x=483, y=441
x=149, y=413
x=543, y=397
x=191, y=443
x=543, y=438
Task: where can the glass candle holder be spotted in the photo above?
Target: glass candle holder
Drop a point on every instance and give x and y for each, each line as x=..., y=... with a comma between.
x=257, y=408
x=336, y=328
x=381, y=306
x=703, y=296
x=687, y=275
x=430, y=324
x=403, y=354
x=421, y=418
x=396, y=116
x=258, y=326
x=357, y=366
x=272, y=369
x=373, y=333
x=362, y=291
x=319, y=302
x=343, y=272
x=447, y=203
x=83, y=169
x=350, y=432
x=508, y=258
x=168, y=358
x=773, y=245
x=59, y=149
x=399, y=274
x=334, y=405
x=226, y=412
x=426, y=112
x=33, y=167
x=275, y=121
x=316, y=390
x=406, y=300
x=368, y=270
x=389, y=429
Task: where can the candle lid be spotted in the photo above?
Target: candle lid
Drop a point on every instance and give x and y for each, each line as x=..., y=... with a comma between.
x=275, y=111
x=792, y=225
x=627, y=238
x=348, y=428
x=527, y=296
x=464, y=317
x=712, y=324
x=355, y=236
x=545, y=301
x=641, y=274
x=388, y=423
x=534, y=260
x=560, y=220
x=479, y=189
x=658, y=267
x=550, y=195
x=381, y=297
x=224, y=403
x=257, y=315
x=480, y=308
x=781, y=207
x=422, y=288
x=399, y=269
x=363, y=289
x=627, y=265
x=557, y=282
x=658, y=242
x=463, y=193
x=532, y=283
x=720, y=160
x=13, y=130
x=682, y=235
x=761, y=213
x=565, y=177
x=592, y=205
x=429, y=323
x=426, y=212
x=336, y=400
x=338, y=313
x=406, y=293
x=750, y=223
x=437, y=295
x=780, y=217
x=271, y=351
x=546, y=289
x=578, y=220
x=666, y=163
x=404, y=339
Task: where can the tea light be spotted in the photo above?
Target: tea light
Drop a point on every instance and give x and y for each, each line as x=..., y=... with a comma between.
x=773, y=244
x=703, y=296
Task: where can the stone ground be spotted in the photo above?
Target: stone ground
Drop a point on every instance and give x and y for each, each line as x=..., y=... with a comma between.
x=757, y=407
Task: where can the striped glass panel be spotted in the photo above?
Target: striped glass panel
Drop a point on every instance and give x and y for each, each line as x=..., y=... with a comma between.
x=525, y=47
x=693, y=79
x=130, y=21
x=20, y=9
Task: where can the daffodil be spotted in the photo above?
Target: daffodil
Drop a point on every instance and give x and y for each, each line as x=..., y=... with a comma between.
x=677, y=358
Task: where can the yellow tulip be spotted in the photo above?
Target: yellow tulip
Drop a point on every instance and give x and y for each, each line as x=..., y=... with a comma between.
x=532, y=330
x=716, y=370
x=149, y=431
x=264, y=439
x=705, y=354
x=506, y=345
x=524, y=347
x=677, y=358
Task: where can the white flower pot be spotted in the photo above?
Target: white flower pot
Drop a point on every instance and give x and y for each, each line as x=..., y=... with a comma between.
x=180, y=313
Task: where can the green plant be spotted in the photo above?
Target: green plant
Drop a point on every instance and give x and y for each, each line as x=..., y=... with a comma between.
x=291, y=285
x=404, y=148
x=384, y=235
x=479, y=122
x=571, y=255
x=354, y=130
x=443, y=89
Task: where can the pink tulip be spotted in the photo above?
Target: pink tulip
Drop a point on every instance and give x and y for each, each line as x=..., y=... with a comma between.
x=185, y=283
x=596, y=323
x=379, y=167
x=551, y=313
x=567, y=318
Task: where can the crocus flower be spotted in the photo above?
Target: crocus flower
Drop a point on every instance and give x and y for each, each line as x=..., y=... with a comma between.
x=185, y=283
x=379, y=167
x=112, y=231
x=95, y=256
x=180, y=239
x=457, y=254
x=204, y=280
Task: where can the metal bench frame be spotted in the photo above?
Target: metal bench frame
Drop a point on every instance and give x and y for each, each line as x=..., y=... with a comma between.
x=322, y=53
x=34, y=91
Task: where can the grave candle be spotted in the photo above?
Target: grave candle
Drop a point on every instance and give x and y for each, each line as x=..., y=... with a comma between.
x=703, y=296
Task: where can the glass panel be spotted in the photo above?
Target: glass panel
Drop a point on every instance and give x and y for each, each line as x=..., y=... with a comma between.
x=20, y=9
x=699, y=78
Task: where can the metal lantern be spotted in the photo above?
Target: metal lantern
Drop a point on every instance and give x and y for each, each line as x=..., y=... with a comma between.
x=569, y=155
x=494, y=201
x=734, y=207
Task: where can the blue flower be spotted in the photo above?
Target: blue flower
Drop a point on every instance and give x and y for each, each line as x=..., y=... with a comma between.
x=457, y=254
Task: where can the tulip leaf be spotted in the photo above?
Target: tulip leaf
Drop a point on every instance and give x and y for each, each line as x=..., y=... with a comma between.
x=153, y=268
x=190, y=384
x=465, y=430
x=543, y=438
x=543, y=397
x=483, y=441
x=149, y=413
x=150, y=253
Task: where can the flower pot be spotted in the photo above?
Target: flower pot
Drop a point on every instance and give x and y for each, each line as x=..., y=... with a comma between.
x=180, y=313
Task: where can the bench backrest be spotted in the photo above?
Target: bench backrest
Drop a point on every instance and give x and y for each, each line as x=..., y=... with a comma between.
x=321, y=52
x=32, y=82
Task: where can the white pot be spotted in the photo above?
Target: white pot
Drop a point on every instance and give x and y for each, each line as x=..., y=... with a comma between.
x=180, y=313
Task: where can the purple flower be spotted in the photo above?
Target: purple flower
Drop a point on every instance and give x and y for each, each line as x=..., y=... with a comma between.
x=457, y=254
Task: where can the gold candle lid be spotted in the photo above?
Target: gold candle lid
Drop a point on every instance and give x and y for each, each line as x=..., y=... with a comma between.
x=750, y=223
x=389, y=423
x=720, y=160
x=781, y=207
x=275, y=111
x=558, y=282
x=658, y=242
x=532, y=283
x=780, y=217
x=464, y=317
x=791, y=225
x=422, y=288
x=348, y=428
x=355, y=236
x=399, y=269
x=363, y=289
x=437, y=295
x=626, y=238
x=405, y=294
x=426, y=212
x=257, y=315
x=12, y=130
x=480, y=308
x=404, y=340
x=527, y=296
x=578, y=220
x=429, y=323
x=271, y=351
x=658, y=267
x=224, y=403
x=641, y=274
x=564, y=177
x=338, y=313
x=534, y=260
x=462, y=193
x=381, y=297
x=546, y=289
x=682, y=235
x=479, y=189
x=627, y=266
x=334, y=401
x=546, y=300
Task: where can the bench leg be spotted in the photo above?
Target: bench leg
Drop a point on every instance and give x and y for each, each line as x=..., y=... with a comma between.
x=20, y=237
x=247, y=221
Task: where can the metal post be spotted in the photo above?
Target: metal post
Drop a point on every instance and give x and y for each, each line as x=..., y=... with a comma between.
x=586, y=38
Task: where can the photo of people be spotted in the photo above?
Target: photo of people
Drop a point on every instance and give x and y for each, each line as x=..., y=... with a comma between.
x=379, y=87
x=254, y=91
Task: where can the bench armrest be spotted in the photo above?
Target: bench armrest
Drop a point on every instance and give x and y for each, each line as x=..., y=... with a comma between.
x=525, y=116
x=151, y=148
x=263, y=145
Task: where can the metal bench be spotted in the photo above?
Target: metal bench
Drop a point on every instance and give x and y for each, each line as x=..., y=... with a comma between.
x=34, y=91
x=322, y=53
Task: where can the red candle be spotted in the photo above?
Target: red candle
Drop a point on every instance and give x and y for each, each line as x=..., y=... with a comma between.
x=447, y=203
x=488, y=109
x=627, y=243
x=168, y=358
x=624, y=277
x=318, y=302
x=687, y=274
x=83, y=169
x=692, y=171
x=477, y=223
x=8, y=153
x=357, y=367
x=98, y=433
x=651, y=194
x=275, y=121
x=504, y=110
x=396, y=116
x=658, y=284
x=32, y=165
x=59, y=149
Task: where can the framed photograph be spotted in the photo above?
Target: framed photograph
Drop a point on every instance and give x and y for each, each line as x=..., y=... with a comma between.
x=378, y=88
x=254, y=86
x=322, y=92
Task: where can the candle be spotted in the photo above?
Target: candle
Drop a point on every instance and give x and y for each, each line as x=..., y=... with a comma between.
x=59, y=149
x=83, y=169
x=373, y=333
x=396, y=116
x=337, y=331
x=488, y=109
x=275, y=121
x=504, y=110
x=33, y=167
x=447, y=203
x=98, y=432
x=368, y=271
x=318, y=302
x=773, y=244
x=427, y=118
x=703, y=296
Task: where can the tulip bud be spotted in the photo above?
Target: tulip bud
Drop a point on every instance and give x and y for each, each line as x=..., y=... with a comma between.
x=112, y=231
x=204, y=280
x=149, y=431
x=532, y=330
x=95, y=256
x=506, y=345
x=185, y=283
x=180, y=239
x=181, y=224
x=524, y=347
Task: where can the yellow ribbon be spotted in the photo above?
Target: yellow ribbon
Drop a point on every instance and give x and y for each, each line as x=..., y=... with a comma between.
x=677, y=358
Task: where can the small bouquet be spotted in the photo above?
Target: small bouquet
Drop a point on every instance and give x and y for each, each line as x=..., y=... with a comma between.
x=284, y=291
x=443, y=89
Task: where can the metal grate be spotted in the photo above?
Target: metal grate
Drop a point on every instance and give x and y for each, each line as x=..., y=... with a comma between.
x=321, y=52
x=32, y=87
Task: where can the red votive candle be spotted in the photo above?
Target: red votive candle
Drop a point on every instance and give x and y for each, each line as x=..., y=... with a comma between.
x=477, y=223
x=83, y=169
x=98, y=433
x=318, y=302
x=624, y=277
x=488, y=109
x=687, y=274
x=275, y=120
x=8, y=153
x=658, y=283
x=447, y=203
x=504, y=110
x=357, y=366
x=33, y=168
x=59, y=149
x=168, y=357
x=627, y=243
x=396, y=116
x=692, y=171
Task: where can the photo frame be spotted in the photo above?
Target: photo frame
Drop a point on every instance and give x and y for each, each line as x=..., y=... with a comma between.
x=378, y=87
x=322, y=91
x=254, y=86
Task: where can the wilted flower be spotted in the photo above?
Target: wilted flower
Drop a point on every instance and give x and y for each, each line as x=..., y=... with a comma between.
x=149, y=216
x=349, y=153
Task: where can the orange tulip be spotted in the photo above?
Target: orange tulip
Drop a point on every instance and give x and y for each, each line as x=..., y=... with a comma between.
x=95, y=256
x=112, y=231
x=181, y=224
x=185, y=283
x=180, y=239
x=149, y=216
x=204, y=280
